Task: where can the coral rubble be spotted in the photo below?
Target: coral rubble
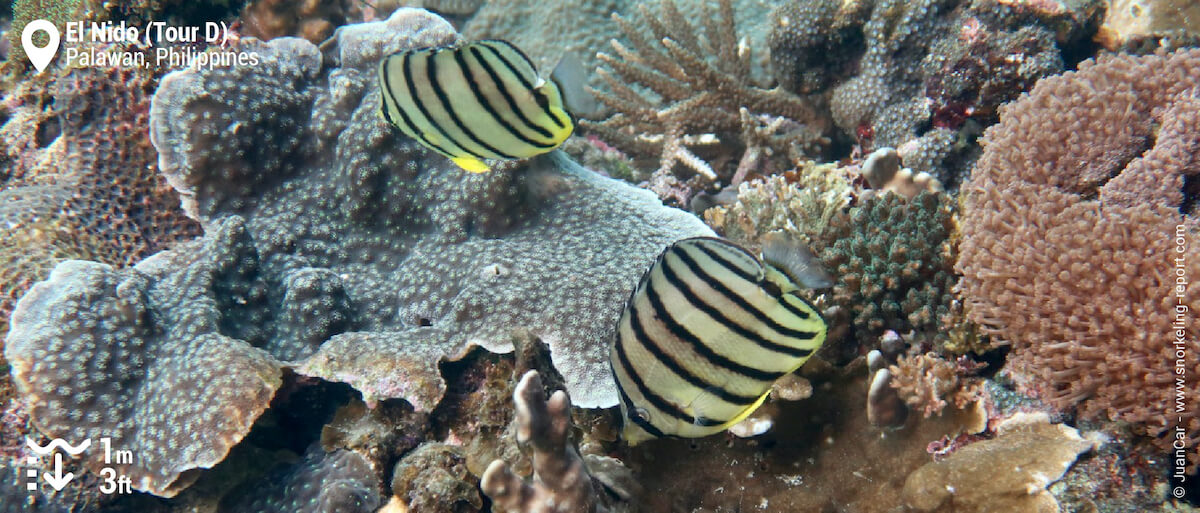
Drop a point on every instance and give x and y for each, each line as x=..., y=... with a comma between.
x=434, y=479
x=1070, y=224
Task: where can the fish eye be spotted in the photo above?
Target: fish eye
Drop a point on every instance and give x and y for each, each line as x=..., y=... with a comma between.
x=641, y=413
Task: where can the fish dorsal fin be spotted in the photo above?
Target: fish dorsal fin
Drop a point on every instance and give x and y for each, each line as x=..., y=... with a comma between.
x=571, y=78
x=522, y=66
x=786, y=254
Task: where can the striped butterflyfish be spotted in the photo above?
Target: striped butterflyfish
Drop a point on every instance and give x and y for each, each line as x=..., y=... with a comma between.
x=708, y=330
x=474, y=101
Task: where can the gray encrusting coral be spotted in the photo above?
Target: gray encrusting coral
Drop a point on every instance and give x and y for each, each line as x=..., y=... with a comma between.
x=333, y=245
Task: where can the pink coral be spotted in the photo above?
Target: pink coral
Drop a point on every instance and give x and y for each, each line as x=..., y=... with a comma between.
x=1069, y=234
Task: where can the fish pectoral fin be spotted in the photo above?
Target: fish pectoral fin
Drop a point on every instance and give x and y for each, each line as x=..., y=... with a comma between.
x=571, y=78
x=471, y=164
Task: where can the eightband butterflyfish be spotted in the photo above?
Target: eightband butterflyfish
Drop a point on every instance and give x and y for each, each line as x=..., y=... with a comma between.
x=475, y=101
x=707, y=331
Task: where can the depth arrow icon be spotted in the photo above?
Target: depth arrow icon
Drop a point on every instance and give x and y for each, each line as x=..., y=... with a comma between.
x=58, y=480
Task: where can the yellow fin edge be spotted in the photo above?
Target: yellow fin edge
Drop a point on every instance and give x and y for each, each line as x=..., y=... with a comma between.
x=471, y=164
x=746, y=413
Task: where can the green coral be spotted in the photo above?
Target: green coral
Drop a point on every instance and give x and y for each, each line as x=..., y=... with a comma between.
x=58, y=12
x=893, y=260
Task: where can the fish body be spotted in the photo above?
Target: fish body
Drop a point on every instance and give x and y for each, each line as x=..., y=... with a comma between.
x=475, y=101
x=703, y=337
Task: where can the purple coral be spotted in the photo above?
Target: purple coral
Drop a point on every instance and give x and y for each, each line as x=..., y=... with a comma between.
x=1069, y=222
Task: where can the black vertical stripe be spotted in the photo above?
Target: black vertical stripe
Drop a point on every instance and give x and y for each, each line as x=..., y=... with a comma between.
x=653, y=398
x=703, y=243
x=508, y=98
x=714, y=313
x=797, y=311
x=520, y=53
x=537, y=95
x=469, y=76
x=697, y=345
x=631, y=410
x=490, y=45
x=416, y=100
x=742, y=303
x=431, y=75
x=647, y=342
x=390, y=94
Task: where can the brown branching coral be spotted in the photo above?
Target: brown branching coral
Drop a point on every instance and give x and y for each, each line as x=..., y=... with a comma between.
x=562, y=483
x=695, y=102
x=1079, y=237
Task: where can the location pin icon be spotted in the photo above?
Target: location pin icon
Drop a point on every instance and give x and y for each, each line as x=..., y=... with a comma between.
x=40, y=57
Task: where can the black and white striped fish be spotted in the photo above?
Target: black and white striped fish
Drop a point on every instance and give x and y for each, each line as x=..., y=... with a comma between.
x=476, y=101
x=708, y=330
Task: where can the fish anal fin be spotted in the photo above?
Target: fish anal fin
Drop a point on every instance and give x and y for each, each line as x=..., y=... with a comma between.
x=746, y=412
x=471, y=164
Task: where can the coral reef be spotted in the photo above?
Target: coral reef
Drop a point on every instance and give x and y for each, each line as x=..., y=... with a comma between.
x=928, y=383
x=561, y=483
x=892, y=259
x=921, y=76
x=379, y=434
x=434, y=479
x=80, y=347
x=443, y=7
x=804, y=200
x=339, y=481
x=78, y=178
x=813, y=43
x=546, y=30
x=320, y=220
x=882, y=171
x=1008, y=473
x=1129, y=24
x=313, y=20
x=58, y=12
x=821, y=455
x=1068, y=222
x=700, y=96
x=468, y=258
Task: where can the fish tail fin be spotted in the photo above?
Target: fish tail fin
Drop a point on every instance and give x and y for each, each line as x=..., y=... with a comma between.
x=471, y=164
